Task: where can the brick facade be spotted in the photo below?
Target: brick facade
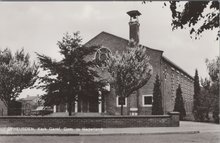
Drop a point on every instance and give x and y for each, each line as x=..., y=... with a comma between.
x=171, y=120
x=155, y=59
x=170, y=76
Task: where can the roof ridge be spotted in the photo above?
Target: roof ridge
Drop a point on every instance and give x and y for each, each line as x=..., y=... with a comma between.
x=93, y=38
x=165, y=58
x=114, y=35
x=171, y=62
x=123, y=39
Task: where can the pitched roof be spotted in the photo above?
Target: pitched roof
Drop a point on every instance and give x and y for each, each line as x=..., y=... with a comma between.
x=108, y=40
x=119, y=44
x=176, y=66
x=114, y=42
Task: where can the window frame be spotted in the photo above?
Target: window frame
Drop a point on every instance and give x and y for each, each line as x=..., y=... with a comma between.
x=143, y=99
x=99, y=51
x=126, y=102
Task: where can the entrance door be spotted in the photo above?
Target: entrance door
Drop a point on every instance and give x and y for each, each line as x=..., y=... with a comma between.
x=88, y=104
x=93, y=103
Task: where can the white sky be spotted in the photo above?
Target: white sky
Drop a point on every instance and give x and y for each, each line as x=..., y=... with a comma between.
x=37, y=26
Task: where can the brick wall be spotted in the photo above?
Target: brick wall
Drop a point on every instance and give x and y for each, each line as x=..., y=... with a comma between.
x=110, y=102
x=171, y=120
x=115, y=43
x=174, y=77
x=155, y=61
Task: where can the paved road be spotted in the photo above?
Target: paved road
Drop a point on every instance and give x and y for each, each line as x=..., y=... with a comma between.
x=185, y=127
x=213, y=137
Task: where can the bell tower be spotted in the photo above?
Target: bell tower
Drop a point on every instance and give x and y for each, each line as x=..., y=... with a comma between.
x=134, y=26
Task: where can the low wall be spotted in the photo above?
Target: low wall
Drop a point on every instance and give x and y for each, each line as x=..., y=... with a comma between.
x=170, y=120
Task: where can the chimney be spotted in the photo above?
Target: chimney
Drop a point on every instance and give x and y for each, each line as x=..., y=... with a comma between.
x=134, y=26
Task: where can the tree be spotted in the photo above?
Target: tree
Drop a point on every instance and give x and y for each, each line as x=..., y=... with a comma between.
x=213, y=68
x=70, y=77
x=157, y=108
x=209, y=94
x=206, y=99
x=179, y=104
x=130, y=71
x=17, y=73
x=196, y=101
x=195, y=16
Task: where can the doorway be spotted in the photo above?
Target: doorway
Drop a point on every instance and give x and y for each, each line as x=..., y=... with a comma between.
x=88, y=104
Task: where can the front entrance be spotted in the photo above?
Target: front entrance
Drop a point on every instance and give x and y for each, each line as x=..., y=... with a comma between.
x=88, y=104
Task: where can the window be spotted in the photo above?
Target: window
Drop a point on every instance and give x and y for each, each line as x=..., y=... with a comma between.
x=119, y=105
x=178, y=80
x=165, y=73
x=147, y=100
x=172, y=83
x=102, y=56
x=172, y=77
x=181, y=80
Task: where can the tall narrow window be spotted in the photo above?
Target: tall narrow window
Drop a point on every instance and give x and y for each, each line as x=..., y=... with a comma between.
x=172, y=87
x=178, y=80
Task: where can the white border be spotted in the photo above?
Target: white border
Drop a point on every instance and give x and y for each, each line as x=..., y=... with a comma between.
x=126, y=100
x=148, y=105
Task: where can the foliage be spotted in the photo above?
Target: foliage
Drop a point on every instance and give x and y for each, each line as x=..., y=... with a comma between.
x=209, y=94
x=70, y=77
x=195, y=16
x=205, y=99
x=157, y=108
x=17, y=73
x=130, y=71
x=213, y=68
x=214, y=73
x=199, y=16
x=196, y=96
x=216, y=113
x=179, y=104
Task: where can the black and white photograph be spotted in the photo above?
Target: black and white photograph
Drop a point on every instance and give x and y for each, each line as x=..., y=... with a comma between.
x=109, y=71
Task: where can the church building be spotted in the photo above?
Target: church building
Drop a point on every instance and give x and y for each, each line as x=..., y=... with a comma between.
x=140, y=102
